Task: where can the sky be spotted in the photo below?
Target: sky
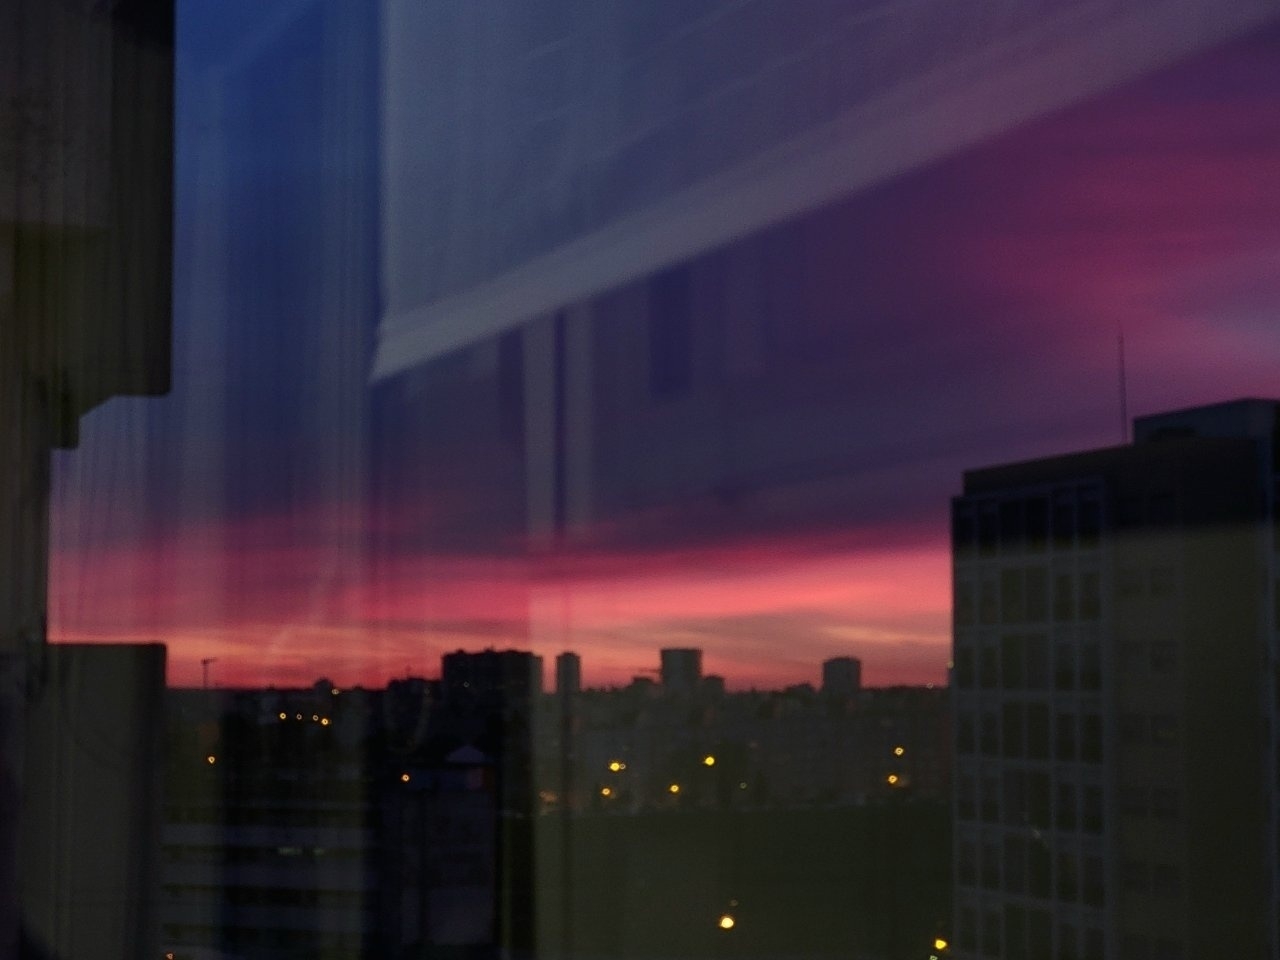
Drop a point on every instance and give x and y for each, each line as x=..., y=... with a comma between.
x=279, y=516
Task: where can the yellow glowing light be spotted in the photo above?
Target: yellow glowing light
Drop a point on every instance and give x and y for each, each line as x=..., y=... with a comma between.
x=284, y=716
x=892, y=779
x=617, y=765
x=335, y=691
x=324, y=721
x=674, y=788
x=404, y=778
x=315, y=717
x=708, y=761
x=939, y=944
x=898, y=751
x=297, y=716
x=606, y=792
x=726, y=922
x=211, y=759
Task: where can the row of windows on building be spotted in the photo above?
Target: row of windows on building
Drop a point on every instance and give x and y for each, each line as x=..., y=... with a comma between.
x=1018, y=933
x=1024, y=595
x=233, y=853
x=271, y=896
x=338, y=946
x=1026, y=866
x=361, y=817
x=1018, y=661
x=1067, y=519
x=1030, y=731
x=1030, y=798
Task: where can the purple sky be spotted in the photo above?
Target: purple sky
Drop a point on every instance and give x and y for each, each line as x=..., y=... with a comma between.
x=985, y=296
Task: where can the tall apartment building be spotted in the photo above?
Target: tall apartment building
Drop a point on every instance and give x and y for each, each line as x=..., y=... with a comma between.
x=1116, y=623
x=681, y=670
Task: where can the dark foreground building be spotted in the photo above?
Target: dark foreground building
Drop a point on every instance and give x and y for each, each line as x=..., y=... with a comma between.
x=1116, y=620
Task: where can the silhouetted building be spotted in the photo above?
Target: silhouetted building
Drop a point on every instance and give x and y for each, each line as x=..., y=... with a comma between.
x=1115, y=650
x=491, y=676
x=568, y=673
x=841, y=676
x=681, y=670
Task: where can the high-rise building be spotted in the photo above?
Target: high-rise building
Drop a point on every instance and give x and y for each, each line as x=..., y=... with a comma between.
x=1116, y=619
x=841, y=676
x=681, y=670
x=568, y=673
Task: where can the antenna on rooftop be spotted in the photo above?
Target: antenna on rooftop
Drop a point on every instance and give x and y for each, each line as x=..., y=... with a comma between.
x=204, y=669
x=1124, y=389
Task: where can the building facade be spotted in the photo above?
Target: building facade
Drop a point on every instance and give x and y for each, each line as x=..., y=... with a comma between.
x=1115, y=628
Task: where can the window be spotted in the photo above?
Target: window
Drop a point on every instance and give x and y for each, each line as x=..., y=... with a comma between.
x=1091, y=809
x=988, y=530
x=1039, y=805
x=990, y=735
x=1064, y=597
x=1091, y=738
x=966, y=740
x=1090, y=596
x=966, y=797
x=1012, y=601
x=1037, y=524
x=967, y=863
x=988, y=604
x=1093, y=891
x=1036, y=661
x=1014, y=745
x=1012, y=535
x=1065, y=739
x=1064, y=666
x=991, y=940
x=1068, y=874
x=1064, y=522
x=1037, y=731
x=990, y=865
x=1011, y=651
x=1037, y=594
x=989, y=667
x=1090, y=665
x=1090, y=522
x=1065, y=817
x=1039, y=869
x=1015, y=864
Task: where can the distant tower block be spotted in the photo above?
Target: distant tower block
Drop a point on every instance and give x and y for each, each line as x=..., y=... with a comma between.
x=568, y=673
x=681, y=670
x=841, y=676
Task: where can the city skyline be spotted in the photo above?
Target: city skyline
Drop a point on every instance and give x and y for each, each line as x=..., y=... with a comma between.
x=985, y=296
